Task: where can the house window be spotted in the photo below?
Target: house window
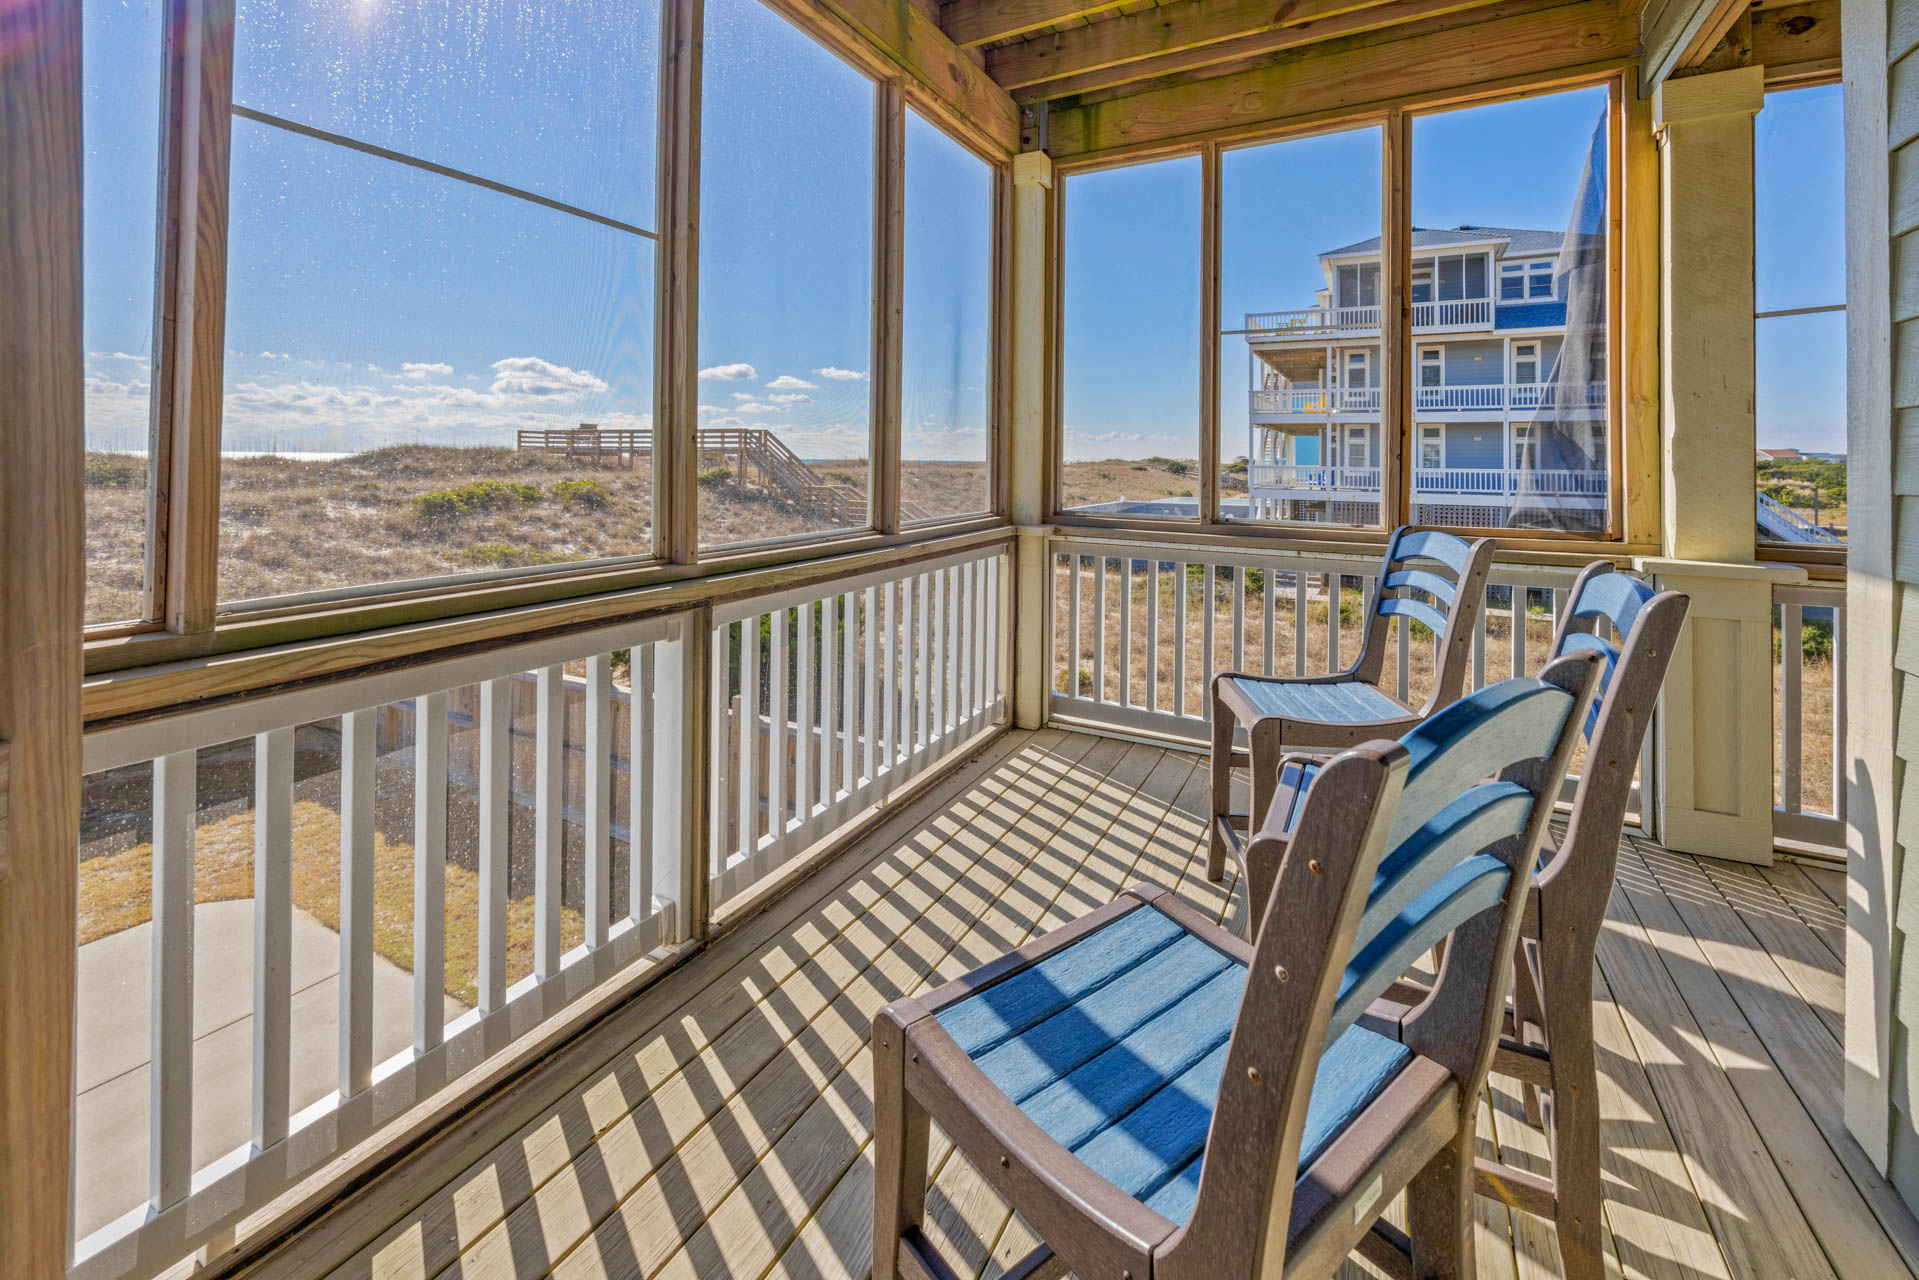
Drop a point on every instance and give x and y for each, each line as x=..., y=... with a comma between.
x=1525, y=363
x=1512, y=282
x=1539, y=282
x=1432, y=448
x=1358, y=450
x=1358, y=285
x=1431, y=366
x=1359, y=366
x=1522, y=446
x=1422, y=286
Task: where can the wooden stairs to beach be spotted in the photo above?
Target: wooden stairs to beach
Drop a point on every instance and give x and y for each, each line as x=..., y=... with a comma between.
x=747, y=451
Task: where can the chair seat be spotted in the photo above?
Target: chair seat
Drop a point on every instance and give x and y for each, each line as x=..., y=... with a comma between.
x=1344, y=702
x=1114, y=1047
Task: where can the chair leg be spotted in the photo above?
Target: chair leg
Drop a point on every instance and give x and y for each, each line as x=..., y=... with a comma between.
x=1528, y=1008
x=900, y=1132
x=1439, y=1212
x=1263, y=760
x=1572, y=1115
x=1224, y=723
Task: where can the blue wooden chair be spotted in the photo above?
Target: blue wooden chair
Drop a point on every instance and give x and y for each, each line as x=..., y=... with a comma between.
x=1430, y=577
x=1160, y=1099
x=1546, y=1038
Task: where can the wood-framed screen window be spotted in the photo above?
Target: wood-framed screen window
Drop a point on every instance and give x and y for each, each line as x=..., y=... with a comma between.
x=787, y=182
x=1300, y=309
x=121, y=51
x=1523, y=187
x=1130, y=339
x=439, y=301
x=946, y=333
x=1799, y=332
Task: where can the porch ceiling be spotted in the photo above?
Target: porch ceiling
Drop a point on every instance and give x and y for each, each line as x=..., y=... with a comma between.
x=1091, y=50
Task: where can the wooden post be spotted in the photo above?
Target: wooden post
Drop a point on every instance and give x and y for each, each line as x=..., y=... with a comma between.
x=676, y=325
x=1395, y=320
x=41, y=588
x=1715, y=744
x=889, y=254
x=1030, y=444
x=1873, y=808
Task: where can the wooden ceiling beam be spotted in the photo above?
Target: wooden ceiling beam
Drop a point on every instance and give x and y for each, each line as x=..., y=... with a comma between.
x=975, y=22
x=1677, y=34
x=1351, y=76
x=1184, y=36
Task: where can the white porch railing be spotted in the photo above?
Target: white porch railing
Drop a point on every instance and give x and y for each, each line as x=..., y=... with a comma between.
x=828, y=699
x=1521, y=397
x=1810, y=715
x=1468, y=313
x=1139, y=630
x=1466, y=482
x=287, y=1117
x=1464, y=313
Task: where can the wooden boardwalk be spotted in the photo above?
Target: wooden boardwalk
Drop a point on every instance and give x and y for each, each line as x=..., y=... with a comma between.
x=730, y=1136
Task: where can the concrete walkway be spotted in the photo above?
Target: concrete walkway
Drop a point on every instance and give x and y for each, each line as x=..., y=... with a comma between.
x=113, y=1026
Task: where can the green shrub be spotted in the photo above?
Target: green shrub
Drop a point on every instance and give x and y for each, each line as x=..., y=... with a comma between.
x=590, y=495
x=715, y=475
x=113, y=471
x=444, y=505
x=502, y=555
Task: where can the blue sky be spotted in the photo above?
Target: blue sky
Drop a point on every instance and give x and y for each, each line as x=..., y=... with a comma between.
x=373, y=303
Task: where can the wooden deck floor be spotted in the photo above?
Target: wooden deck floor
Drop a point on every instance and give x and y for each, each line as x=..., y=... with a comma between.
x=730, y=1137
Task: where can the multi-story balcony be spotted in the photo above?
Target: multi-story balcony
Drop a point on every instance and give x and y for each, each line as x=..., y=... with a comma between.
x=1464, y=484
x=1305, y=403
x=1458, y=316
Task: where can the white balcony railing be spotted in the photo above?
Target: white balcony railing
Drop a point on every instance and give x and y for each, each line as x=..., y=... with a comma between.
x=1272, y=479
x=1464, y=313
x=1520, y=397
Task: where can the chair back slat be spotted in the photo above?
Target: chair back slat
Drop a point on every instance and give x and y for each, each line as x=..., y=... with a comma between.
x=1429, y=544
x=1479, y=817
x=1614, y=596
x=1472, y=740
x=1417, y=610
x=1468, y=887
x=1441, y=589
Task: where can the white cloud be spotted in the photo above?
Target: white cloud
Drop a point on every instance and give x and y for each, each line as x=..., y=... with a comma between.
x=730, y=373
x=787, y=382
x=420, y=369
x=275, y=355
x=744, y=395
x=841, y=375
x=531, y=378
x=755, y=407
x=791, y=397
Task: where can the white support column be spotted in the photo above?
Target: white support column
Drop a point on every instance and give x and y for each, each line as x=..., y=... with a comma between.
x=1029, y=441
x=1715, y=741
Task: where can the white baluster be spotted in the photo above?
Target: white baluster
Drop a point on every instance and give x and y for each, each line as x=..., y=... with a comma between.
x=272, y=933
x=170, y=1070
x=496, y=783
x=549, y=792
x=599, y=797
x=356, y=901
x=429, y=871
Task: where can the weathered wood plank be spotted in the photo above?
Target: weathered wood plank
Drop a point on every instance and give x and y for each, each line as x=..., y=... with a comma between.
x=1339, y=78
x=976, y=22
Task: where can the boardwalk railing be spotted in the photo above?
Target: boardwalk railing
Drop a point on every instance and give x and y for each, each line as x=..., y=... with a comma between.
x=828, y=699
x=562, y=905
x=1809, y=662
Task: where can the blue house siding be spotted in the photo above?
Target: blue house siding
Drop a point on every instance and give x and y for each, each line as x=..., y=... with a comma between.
x=1475, y=364
x=1474, y=444
x=1530, y=315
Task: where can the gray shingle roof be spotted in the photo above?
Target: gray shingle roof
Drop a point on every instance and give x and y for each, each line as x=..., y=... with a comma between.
x=1520, y=241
